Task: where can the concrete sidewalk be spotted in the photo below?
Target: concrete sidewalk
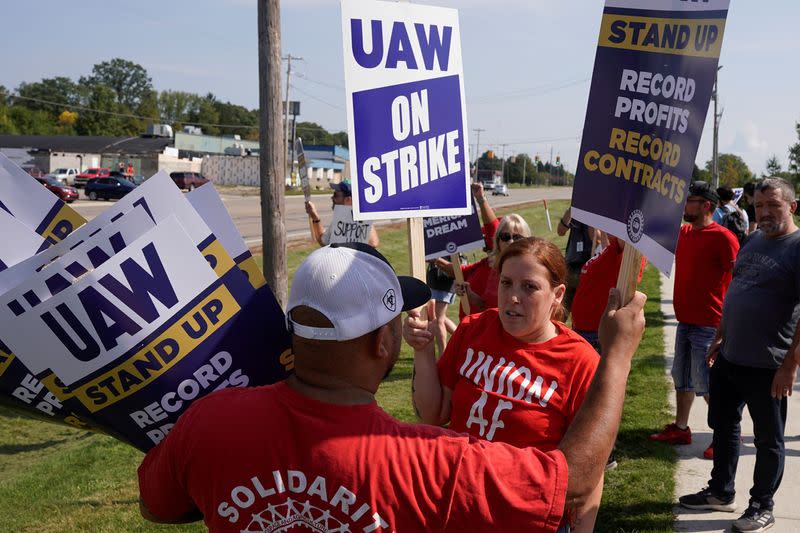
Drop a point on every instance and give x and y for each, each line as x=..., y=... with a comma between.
x=693, y=471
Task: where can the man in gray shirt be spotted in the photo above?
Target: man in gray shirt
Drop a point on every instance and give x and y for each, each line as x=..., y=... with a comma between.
x=748, y=358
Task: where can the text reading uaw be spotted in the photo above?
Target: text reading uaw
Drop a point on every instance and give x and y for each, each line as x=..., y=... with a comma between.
x=425, y=159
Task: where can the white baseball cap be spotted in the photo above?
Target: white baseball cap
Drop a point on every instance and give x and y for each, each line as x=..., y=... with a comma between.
x=355, y=287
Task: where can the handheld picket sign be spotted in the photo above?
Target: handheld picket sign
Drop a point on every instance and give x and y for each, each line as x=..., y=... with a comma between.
x=654, y=73
x=406, y=110
x=344, y=229
x=302, y=171
x=151, y=329
x=452, y=235
x=208, y=204
x=25, y=199
x=19, y=241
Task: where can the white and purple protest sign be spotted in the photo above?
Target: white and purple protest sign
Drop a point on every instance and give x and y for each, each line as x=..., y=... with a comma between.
x=445, y=236
x=406, y=111
x=24, y=198
x=151, y=329
x=653, y=77
x=19, y=241
x=343, y=228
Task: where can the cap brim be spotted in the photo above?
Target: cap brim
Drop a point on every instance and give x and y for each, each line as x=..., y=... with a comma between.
x=415, y=292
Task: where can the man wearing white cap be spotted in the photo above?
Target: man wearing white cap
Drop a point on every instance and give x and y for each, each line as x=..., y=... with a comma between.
x=317, y=451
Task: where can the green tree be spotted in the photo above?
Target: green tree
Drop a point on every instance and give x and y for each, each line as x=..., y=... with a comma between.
x=237, y=116
x=31, y=121
x=699, y=174
x=489, y=163
x=515, y=167
x=313, y=133
x=101, y=98
x=203, y=110
x=733, y=171
x=6, y=124
x=127, y=79
x=60, y=89
x=794, y=155
x=773, y=167
x=174, y=107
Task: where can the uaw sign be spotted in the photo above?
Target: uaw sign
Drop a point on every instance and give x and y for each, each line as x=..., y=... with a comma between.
x=154, y=327
x=653, y=76
x=406, y=110
x=28, y=201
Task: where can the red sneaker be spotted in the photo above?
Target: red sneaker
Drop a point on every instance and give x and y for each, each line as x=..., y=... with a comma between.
x=709, y=453
x=673, y=435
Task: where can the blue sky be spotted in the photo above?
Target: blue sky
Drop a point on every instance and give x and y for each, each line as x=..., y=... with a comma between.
x=528, y=63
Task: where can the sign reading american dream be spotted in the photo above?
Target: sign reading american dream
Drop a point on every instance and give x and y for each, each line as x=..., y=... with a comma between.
x=653, y=77
x=450, y=235
x=28, y=201
x=406, y=112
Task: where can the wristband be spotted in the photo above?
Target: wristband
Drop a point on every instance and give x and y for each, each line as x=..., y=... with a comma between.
x=562, y=223
x=315, y=220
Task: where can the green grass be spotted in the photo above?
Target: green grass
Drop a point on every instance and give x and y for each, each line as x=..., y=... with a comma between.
x=55, y=479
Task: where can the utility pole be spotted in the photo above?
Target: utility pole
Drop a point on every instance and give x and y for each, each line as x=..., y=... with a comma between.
x=272, y=156
x=477, y=148
x=288, y=59
x=503, y=167
x=717, y=117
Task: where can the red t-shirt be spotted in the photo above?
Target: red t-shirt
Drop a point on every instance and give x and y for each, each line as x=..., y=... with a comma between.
x=269, y=458
x=510, y=391
x=703, y=266
x=483, y=280
x=598, y=275
x=489, y=231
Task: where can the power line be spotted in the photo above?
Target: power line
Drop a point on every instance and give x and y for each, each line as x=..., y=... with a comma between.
x=532, y=91
x=126, y=115
x=322, y=83
x=298, y=89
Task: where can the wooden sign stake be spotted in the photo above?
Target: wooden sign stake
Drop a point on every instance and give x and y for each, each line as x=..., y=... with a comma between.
x=455, y=259
x=629, y=273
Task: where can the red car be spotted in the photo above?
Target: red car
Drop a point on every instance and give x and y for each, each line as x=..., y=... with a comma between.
x=188, y=180
x=91, y=173
x=67, y=194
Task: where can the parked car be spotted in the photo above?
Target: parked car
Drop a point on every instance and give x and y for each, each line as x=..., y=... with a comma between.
x=65, y=175
x=90, y=173
x=108, y=188
x=65, y=192
x=500, y=189
x=33, y=170
x=188, y=180
x=138, y=179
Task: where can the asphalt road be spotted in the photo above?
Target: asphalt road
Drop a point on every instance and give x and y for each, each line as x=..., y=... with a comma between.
x=246, y=210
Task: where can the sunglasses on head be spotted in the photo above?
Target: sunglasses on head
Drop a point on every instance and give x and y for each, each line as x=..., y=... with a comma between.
x=505, y=236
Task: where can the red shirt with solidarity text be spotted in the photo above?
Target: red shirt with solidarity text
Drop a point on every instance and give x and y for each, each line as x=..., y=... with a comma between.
x=703, y=267
x=598, y=275
x=270, y=459
x=505, y=390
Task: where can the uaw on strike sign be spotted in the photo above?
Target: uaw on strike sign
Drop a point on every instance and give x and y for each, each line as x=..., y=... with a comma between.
x=405, y=110
x=653, y=77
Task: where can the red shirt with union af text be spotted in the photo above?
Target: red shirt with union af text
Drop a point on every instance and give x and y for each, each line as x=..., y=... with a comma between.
x=504, y=390
x=271, y=459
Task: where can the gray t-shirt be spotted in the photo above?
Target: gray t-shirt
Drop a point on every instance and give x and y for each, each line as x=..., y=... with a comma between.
x=762, y=304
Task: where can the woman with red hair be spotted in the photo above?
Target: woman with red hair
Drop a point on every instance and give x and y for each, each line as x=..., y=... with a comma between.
x=514, y=374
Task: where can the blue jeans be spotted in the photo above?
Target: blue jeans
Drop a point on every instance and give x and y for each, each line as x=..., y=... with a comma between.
x=689, y=369
x=733, y=387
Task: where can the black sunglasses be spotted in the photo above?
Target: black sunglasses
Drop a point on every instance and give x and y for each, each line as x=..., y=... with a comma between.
x=505, y=236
